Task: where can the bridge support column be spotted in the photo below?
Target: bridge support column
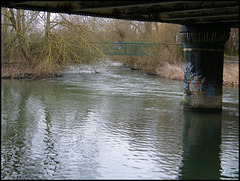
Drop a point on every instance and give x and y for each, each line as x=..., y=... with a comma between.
x=203, y=66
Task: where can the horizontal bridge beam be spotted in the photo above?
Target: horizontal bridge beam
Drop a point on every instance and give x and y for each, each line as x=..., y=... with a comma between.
x=137, y=43
x=225, y=13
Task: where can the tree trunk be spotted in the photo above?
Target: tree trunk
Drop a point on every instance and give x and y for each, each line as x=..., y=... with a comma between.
x=16, y=22
x=148, y=32
x=47, y=28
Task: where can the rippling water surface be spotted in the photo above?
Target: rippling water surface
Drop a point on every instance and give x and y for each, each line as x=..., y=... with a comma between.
x=118, y=124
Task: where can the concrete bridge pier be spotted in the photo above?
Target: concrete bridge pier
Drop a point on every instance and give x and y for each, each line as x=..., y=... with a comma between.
x=203, y=66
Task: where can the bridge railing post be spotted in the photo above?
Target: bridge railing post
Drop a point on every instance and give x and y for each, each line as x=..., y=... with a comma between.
x=203, y=66
x=135, y=48
x=125, y=48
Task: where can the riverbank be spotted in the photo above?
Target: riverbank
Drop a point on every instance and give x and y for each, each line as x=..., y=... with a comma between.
x=231, y=74
x=25, y=71
x=176, y=72
x=167, y=70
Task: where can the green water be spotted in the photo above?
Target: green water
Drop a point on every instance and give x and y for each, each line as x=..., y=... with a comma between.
x=119, y=124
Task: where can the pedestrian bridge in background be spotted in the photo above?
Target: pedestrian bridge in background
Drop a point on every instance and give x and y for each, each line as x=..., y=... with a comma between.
x=130, y=48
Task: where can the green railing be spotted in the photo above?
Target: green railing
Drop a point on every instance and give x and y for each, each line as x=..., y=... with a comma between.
x=127, y=48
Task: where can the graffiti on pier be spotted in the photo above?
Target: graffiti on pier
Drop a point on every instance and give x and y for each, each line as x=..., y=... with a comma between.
x=188, y=69
x=197, y=86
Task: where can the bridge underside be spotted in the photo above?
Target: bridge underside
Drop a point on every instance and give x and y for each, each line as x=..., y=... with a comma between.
x=205, y=30
x=177, y=12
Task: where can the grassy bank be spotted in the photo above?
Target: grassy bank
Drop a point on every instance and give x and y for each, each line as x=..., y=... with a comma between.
x=167, y=68
x=231, y=74
x=175, y=70
x=26, y=71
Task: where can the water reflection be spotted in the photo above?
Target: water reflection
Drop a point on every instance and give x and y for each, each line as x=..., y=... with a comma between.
x=44, y=134
x=13, y=131
x=116, y=125
x=201, y=145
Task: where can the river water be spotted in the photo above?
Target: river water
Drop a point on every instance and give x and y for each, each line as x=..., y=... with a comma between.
x=117, y=124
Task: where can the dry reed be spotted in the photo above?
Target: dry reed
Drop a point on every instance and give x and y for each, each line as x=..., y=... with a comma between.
x=19, y=71
x=231, y=74
x=176, y=72
x=171, y=71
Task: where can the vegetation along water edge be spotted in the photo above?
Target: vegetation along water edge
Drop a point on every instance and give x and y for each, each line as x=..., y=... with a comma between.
x=40, y=44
